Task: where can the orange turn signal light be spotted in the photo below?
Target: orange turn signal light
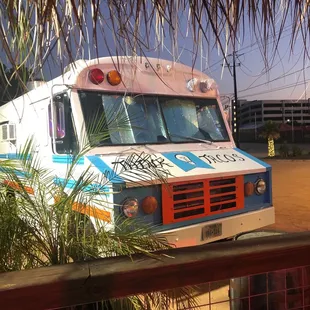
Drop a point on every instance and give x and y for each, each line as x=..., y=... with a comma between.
x=249, y=189
x=149, y=204
x=114, y=77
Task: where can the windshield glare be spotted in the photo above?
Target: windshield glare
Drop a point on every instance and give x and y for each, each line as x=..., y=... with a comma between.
x=116, y=119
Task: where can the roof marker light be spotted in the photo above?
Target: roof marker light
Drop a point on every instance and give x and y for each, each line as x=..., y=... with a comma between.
x=191, y=84
x=206, y=85
x=96, y=76
x=114, y=77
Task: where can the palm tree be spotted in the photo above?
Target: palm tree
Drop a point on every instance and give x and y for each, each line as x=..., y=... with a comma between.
x=41, y=225
x=270, y=132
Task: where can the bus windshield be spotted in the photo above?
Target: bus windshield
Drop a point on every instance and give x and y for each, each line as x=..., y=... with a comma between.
x=118, y=119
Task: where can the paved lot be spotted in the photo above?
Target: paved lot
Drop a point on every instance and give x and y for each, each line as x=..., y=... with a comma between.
x=291, y=194
x=291, y=188
x=291, y=197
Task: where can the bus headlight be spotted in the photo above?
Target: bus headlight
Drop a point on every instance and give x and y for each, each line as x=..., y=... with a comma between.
x=130, y=207
x=260, y=187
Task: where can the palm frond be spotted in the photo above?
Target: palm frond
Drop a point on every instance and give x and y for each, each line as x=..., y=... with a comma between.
x=41, y=228
x=270, y=130
x=33, y=32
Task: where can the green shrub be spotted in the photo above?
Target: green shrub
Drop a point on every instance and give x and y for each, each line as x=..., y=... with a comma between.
x=42, y=228
x=296, y=151
x=284, y=150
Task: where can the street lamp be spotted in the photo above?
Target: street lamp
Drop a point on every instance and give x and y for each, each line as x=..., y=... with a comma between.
x=283, y=111
x=292, y=124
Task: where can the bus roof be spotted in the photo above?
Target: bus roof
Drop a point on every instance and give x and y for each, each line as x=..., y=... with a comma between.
x=141, y=75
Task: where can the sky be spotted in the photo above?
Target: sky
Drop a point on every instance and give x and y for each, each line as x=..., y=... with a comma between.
x=287, y=76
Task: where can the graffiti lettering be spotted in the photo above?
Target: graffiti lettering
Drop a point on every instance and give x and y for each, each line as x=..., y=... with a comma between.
x=139, y=163
x=240, y=158
x=222, y=158
x=142, y=166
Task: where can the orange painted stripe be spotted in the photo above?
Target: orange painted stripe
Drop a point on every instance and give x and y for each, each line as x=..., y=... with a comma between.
x=92, y=211
x=17, y=187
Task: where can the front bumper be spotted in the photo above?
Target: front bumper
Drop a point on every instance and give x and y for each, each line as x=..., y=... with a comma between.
x=194, y=235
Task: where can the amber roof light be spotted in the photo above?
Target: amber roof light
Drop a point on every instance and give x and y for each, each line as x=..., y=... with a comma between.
x=114, y=77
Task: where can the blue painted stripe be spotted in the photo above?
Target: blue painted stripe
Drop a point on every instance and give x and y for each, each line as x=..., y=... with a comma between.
x=18, y=173
x=61, y=159
x=89, y=188
x=270, y=185
x=109, y=173
x=67, y=159
x=186, y=160
x=12, y=156
x=62, y=182
x=253, y=158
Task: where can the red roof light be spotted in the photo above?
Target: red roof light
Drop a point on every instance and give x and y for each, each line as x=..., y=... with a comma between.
x=96, y=76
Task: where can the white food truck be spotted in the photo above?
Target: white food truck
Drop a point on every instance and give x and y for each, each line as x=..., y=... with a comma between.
x=203, y=188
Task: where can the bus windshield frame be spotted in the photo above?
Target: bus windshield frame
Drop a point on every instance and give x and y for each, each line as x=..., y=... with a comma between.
x=118, y=119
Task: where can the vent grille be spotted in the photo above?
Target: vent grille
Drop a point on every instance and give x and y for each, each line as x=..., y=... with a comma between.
x=8, y=132
x=223, y=194
x=4, y=132
x=189, y=200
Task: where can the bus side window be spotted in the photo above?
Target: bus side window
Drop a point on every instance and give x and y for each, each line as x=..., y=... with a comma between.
x=59, y=120
x=62, y=122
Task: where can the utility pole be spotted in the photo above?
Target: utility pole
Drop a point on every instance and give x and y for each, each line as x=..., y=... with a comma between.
x=255, y=126
x=235, y=106
x=292, y=125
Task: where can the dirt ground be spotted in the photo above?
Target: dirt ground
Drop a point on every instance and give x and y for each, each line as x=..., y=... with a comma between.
x=291, y=194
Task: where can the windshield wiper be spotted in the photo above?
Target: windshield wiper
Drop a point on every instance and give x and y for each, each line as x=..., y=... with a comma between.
x=191, y=138
x=197, y=139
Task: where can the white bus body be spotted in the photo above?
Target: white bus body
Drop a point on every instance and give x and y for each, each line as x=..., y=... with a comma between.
x=213, y=190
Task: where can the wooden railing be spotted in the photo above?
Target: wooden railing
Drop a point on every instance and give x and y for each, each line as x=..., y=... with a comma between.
x=80, y=283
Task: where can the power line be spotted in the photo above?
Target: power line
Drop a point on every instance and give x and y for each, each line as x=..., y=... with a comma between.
x=272, y=41
x=253, y=44
x=278, y=88
x=260, y=75
x=275, y=79
x=303, y=73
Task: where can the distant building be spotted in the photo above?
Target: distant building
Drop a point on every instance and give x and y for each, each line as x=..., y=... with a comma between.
x=293, y=119
x=256, y=113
